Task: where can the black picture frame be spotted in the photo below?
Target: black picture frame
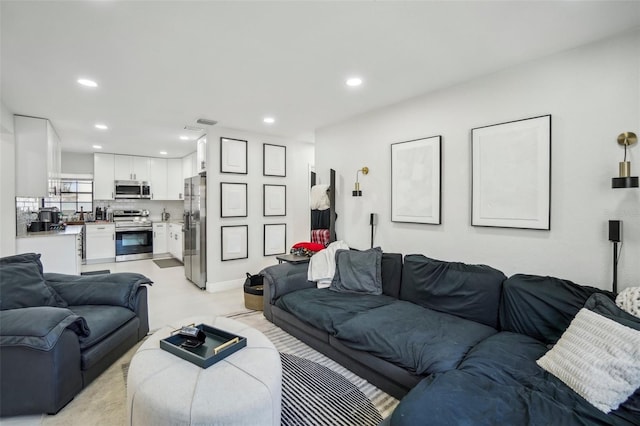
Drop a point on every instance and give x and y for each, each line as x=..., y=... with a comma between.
x=274, y=244
x=233, y=156
x=233, y=199
x=274, y=160
x=274, y=200
x=511, y=174
x=232, y=244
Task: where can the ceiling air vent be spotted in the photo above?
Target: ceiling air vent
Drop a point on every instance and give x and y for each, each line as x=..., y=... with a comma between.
x=207, y=122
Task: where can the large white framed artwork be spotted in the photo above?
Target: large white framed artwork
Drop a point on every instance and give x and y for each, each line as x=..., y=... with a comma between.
x=274, y=160
x=233, y=156
x=274, y=199
x=511, y=174
x=235, y=242
x=416, y=181
x=275, y=237
x=233, y=199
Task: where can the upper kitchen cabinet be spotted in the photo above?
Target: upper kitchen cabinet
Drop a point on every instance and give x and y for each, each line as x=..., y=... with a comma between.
x=103, y=176
x=175, y=179
x=130, y=167
x=189, y=167
x=158, y=178
x=201, y=155
x=38, y=158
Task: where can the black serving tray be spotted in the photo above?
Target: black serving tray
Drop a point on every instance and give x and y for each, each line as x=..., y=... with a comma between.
x=218, y=345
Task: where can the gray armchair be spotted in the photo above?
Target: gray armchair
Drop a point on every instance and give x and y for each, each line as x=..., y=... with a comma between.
x=59, y=332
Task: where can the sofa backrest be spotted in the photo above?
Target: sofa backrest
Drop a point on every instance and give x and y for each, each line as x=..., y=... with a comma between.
x=542, y=307
x=391, y=274
x=467, y=291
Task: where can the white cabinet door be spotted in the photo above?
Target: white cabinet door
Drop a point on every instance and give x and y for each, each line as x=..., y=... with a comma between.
x=160, y=238
x=175, y=180
x=189, y=168
x=158, y=178
x=123, y=168
x=140, y=168
x=103, y=176
x=33, y=157
x=58, y=252
x=201, y=155
x=101, y=242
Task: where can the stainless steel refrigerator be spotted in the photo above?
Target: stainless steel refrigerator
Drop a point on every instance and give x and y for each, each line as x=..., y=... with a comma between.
x=195, y=230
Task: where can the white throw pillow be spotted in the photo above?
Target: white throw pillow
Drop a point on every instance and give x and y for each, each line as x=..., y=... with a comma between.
x=598, y=358
x=629, y=300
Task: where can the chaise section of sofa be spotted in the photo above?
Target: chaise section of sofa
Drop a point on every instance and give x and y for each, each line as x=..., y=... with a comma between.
x=59, y=332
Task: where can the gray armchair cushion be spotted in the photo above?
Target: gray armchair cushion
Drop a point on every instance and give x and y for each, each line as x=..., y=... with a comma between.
x=23, y=258
x=117, y=289
x=22, y=286
x=102, y=320
x=38, y=327
x=285, y=278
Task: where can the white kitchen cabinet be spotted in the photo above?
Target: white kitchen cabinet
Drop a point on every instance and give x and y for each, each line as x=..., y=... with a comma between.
x=103, y=176
x=158, y=178
x=160, y=238
x=131, y=167
x=38, y=158
x=60, y=251
x=201, y=155
x=189, y=168
x=175, y=240
x=101, y=243
x=175, y=180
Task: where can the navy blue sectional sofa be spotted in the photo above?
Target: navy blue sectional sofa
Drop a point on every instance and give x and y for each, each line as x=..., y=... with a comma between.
x=456, y=343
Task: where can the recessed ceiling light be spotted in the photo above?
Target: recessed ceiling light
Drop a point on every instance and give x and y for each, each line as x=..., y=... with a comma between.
x=269, y=120
x=184, y=138
x=86, y=82
x=101, y=126
x=354, y=81
x=163, y=152
x=97, y=146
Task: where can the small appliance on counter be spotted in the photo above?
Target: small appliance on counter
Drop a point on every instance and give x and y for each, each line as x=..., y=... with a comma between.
x=101, y=214
x=165, y=215
x=47, y=219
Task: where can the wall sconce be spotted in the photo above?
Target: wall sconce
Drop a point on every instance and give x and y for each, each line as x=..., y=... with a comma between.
x=625, y=180
x=356, y=192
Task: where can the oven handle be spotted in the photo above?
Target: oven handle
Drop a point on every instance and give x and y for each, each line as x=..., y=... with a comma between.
x=138, y=229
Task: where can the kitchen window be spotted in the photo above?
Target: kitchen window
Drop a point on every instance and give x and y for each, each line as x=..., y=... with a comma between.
x=75, y=194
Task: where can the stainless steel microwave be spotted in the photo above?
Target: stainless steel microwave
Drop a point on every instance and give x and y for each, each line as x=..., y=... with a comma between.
x=132, y=189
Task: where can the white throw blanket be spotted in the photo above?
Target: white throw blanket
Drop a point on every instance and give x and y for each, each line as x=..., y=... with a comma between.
x=319, y=197
x=322, y=265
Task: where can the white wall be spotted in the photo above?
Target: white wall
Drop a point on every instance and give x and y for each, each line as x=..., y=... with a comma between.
x=221, y=275
x=593, y=95
x=7, y=183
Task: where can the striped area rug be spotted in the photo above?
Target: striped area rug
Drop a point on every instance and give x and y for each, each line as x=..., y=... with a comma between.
x=315, y=389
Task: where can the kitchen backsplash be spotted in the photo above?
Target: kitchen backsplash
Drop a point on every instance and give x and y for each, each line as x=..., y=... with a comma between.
x=174, y=208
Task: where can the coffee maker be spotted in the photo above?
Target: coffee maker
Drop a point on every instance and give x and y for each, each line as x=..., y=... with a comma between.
x=100, y=214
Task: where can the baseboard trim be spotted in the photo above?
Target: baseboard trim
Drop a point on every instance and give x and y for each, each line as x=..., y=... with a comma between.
x=224, y=285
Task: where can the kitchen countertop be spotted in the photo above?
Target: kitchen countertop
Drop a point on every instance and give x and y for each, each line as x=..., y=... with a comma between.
x=69, y=230
x=98, y=222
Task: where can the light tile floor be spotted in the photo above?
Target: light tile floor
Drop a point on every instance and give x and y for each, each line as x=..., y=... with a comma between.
x=170, y=298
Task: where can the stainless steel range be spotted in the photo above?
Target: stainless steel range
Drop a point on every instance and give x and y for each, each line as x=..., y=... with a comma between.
x=134, y=235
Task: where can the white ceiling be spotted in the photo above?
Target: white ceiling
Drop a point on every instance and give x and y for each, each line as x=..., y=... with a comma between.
x=162, y=65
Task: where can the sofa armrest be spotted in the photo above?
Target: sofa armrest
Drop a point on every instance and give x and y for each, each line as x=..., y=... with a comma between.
x=285, y=278
x=38, y=327
x=119, y=289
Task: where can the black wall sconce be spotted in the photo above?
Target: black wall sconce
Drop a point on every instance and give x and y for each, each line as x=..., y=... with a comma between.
x=357, y=192
x=625, y=180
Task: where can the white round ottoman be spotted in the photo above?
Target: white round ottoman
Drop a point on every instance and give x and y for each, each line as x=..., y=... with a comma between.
x=244, y=388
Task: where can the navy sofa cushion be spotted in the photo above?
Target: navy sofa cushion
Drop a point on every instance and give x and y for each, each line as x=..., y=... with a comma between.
x=22, y=285
x=468, y=291
x=542, y=307
x=324, y=309
x=419, y=339
x=102, y=321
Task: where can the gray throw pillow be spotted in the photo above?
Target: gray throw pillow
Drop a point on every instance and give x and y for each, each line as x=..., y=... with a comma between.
x=358, y=272
x=23, y=286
